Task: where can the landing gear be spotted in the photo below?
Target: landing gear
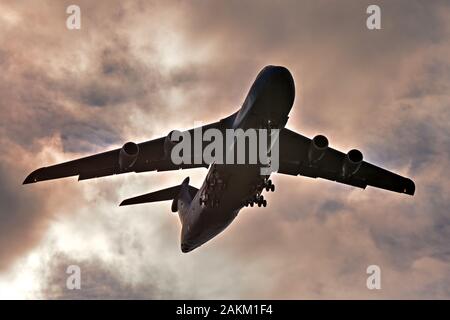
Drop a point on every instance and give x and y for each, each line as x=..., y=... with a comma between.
x=261, y=201
x=269, y=186
x=257, y=199
x=249, y=203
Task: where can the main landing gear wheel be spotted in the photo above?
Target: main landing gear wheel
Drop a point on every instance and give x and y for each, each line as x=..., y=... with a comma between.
x=258, y=200
x=269, y=186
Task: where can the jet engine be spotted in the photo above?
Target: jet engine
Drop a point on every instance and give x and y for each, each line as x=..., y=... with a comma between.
x=352, y=162
x=319, y=144
x=128, y=155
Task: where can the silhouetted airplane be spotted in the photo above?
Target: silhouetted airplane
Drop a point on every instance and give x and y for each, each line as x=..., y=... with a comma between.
x=207, y=211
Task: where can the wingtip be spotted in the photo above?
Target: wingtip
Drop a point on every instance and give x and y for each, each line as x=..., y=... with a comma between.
x=39, y=175
x=124, y=203
x=31, y=178
x=410, y=187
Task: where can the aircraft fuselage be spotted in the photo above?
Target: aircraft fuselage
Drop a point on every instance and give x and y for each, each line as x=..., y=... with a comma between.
x=267, y=105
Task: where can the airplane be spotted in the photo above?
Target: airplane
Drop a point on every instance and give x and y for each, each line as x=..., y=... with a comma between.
x=227, y=188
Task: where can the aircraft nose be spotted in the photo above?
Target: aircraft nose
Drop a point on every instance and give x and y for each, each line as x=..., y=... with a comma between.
x=277, y=71
x=281, y=79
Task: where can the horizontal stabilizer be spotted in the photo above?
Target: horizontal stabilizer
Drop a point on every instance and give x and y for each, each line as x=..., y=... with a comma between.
x=160, y=195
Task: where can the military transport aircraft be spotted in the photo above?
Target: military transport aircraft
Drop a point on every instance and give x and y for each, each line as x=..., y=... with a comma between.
x=207, y=211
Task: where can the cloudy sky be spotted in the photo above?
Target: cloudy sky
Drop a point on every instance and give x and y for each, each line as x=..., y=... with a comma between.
x=138, y=69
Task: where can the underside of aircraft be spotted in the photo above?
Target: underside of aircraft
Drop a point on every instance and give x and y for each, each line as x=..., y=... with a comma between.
x=228, y=187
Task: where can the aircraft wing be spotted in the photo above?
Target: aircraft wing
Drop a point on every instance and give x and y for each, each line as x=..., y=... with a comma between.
x=152, y=156
x=297, y=158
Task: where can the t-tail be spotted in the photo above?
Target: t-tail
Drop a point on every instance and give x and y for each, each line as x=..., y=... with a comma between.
x=180, y=195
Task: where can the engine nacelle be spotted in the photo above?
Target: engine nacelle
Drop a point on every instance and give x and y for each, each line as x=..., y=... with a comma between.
x=128, y=155
x=317, y=149
x=352, y=163
x=169, y=143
